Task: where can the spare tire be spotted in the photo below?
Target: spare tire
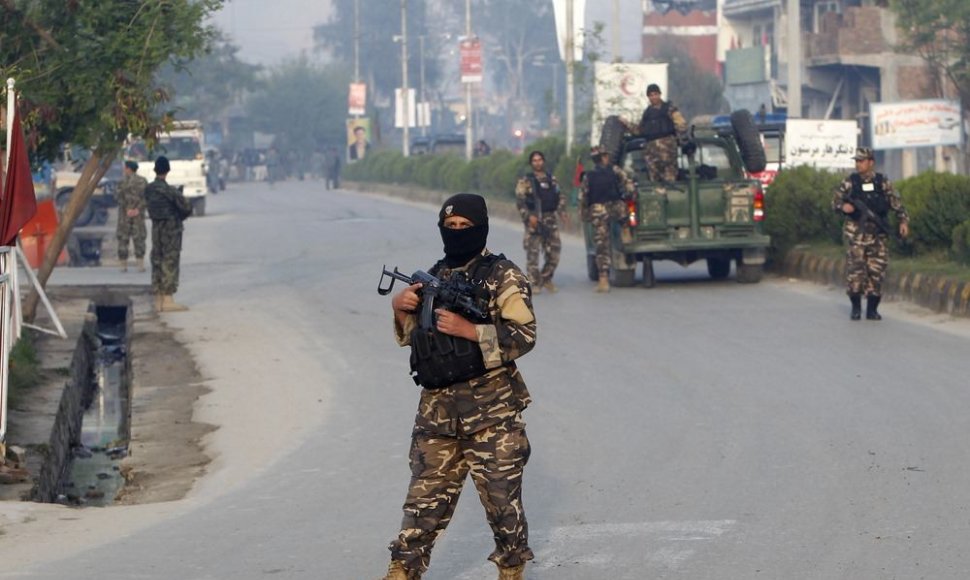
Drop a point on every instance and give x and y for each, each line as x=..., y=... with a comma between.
x=611, y=137
x=749, y=141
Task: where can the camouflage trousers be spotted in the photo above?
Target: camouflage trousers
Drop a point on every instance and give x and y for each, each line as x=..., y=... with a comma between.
x=495, y=457
x=601, y=216
x=661, y=157
x=865, y=263
x=166, y=253
x=544, y=239
x=131, y=229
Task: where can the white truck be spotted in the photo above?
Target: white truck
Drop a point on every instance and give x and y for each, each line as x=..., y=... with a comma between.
x=183, y=146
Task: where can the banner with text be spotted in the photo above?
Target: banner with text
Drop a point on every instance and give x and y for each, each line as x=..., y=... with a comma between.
x=399, y=108
x=820, y=143
x=916, y=124
x=357, y=99
x=470, y=50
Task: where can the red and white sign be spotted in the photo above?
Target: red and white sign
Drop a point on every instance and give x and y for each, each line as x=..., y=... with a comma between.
x=357, y=99
x=471, y=60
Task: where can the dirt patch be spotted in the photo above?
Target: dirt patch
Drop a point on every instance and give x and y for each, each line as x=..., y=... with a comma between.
x=165, y=455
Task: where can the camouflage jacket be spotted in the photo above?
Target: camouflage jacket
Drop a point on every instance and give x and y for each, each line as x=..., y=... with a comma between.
x=627, y=187
x=852, y=227
x=131, y=194
x=166, y=202
x=527, y=202
x=500, y=393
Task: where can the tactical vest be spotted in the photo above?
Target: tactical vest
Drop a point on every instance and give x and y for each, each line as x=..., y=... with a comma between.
x=876, y=200
x=440, y=360
x=656, y=123
x=601, y=185
x=545, y=191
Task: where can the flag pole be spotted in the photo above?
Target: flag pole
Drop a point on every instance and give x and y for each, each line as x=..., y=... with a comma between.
x=6, y=260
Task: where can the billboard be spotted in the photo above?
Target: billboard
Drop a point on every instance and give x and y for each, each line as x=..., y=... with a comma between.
x=470, y=50
x=916, y=124
x=820, y=143
x=357, y=99
x=621, y=89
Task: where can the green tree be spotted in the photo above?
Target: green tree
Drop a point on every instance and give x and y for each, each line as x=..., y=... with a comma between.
x=303, y=104
x=694, y=90
x=86, y=74
x=203, y=88
x=938, y=31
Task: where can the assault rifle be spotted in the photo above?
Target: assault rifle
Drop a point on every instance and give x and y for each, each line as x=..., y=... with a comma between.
x=867, y=215
x=455, y=293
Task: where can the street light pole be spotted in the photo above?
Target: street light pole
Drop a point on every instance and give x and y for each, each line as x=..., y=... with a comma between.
x=570, y=69
x=468, y=87
x=405, y=115
x=421, y=98
x=356, y=41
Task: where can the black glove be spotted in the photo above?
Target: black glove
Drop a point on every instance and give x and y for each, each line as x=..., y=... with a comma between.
x=689, y=148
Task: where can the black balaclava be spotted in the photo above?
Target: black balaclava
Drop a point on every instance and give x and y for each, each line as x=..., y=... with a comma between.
x=463, y=245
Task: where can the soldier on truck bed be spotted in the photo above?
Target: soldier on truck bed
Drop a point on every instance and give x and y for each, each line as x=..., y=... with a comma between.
x=664, y=127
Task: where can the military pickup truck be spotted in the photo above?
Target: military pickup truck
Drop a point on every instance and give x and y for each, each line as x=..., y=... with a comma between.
x=712, y=212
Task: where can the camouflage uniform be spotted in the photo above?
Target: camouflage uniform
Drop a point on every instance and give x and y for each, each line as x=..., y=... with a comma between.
x=131, y=196
x=545, y=236
x=601, y=215
x=867, y=254
x=474, y=427
x=660, y=152
x=167, y=208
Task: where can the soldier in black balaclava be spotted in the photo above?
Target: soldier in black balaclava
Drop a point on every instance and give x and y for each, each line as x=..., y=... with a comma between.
x=469, y=416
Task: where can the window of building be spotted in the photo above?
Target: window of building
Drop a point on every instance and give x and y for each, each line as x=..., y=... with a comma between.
x=821, y=9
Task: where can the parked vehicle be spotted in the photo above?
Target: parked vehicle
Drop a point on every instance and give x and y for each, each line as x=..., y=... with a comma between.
x=183, y=146
x=714, y=211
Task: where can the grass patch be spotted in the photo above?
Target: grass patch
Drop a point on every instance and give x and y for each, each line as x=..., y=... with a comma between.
x=931, y=264
x=24, y=368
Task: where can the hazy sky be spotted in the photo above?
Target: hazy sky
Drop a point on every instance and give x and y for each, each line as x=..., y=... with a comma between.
x=267, y=31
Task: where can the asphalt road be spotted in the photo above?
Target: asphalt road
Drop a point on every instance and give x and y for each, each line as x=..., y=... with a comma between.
x=696, y=430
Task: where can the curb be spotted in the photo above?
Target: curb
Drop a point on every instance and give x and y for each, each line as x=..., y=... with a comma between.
x=938, y=293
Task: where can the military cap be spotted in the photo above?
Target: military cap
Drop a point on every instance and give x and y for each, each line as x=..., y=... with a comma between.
x=653, y=88
x=596, y=152
x=863, y=153
x=162, y=165
x=133, y=165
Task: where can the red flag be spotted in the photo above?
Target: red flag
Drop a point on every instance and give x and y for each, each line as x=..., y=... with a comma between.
x=578, y=174
x=19, y=203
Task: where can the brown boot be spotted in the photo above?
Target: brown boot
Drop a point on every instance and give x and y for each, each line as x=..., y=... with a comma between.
x=124, y=265
x=604, y=284
x=550, y=287
x=397, y=571
x=512, y=573
x=170, y=305
x=158, y=302
x=141, y=265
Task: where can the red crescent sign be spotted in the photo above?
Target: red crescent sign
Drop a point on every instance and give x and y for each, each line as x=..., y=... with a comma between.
x=624, y=85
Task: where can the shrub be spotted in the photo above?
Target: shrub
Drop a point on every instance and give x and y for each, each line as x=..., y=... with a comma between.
x=799, y=209
x=960, y=248
x=936, y=203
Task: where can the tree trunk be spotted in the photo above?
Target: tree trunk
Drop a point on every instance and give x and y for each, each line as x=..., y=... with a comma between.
x=95, y=168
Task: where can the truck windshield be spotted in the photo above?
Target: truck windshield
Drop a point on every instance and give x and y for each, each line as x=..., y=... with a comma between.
x=175, y=148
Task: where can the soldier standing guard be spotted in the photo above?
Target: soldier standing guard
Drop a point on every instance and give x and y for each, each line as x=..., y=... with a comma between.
x=131, y=216
x=601, y=202
x=167, y=208
x=664, y=127
x=542, y=205
x=472, y=425
x=865, y=198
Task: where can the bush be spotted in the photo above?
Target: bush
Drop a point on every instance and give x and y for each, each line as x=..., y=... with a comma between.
x=936, y=203
x=960, y=248
x=24, y=368
x=799, y=209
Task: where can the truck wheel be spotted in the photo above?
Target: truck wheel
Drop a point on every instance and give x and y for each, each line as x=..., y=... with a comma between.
x=649, y=280
x=623, y=278
x=718, y=268
x=749, y=141
x=611, y=137
x=750, y=273
x=591, y=270
x=198, y=206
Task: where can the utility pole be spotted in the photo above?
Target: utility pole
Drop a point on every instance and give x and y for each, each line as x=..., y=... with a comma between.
x=570, y=69
x=794, y=60
x=615, y=32
x=468, y=88
x=421, y=98
x=356, y=41
x=405, y=115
